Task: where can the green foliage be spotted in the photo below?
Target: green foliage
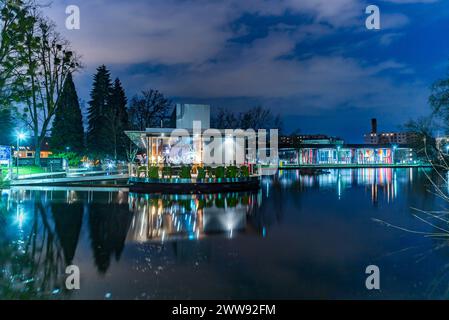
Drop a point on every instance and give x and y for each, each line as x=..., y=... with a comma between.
x=244, y=172
x=116, y=118
x=185, y=172
x=73, y=158
x=97, y=133
x=232, y=202
x=15, y=23
x=107, y=118
x=231, y=172
x=219, y=172
x=244, y=200
x=153, y=172
x=220, y=202
x=68, y=131
x=201, y=173
x=167, y=172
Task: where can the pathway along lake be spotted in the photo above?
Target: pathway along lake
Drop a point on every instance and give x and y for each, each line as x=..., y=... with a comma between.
x=298, y=237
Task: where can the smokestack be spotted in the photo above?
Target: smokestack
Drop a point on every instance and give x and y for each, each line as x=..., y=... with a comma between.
x=374, y=125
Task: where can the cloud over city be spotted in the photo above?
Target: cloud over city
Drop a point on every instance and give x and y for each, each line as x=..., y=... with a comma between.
x=297, y=56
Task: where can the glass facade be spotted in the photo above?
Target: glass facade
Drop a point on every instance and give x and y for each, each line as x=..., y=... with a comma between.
x=362, y=155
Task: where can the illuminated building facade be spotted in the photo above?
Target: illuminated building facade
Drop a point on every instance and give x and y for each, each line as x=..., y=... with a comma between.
x=183, y=143
x=346, y=154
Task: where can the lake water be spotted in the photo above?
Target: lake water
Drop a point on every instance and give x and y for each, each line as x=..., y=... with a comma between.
x=300, y=237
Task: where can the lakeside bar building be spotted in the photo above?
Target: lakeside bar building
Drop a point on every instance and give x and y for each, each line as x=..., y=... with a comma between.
x=164, y=146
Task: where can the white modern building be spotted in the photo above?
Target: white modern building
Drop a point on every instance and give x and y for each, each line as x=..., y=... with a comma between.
x=192, y=141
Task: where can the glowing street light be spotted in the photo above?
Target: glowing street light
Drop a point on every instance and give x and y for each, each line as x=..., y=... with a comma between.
x=21, y=136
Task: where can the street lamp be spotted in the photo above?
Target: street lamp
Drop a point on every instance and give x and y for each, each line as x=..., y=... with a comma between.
x=20, y=136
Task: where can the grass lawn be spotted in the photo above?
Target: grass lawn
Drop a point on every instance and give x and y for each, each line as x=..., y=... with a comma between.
x=30, y=170
x=23, y=170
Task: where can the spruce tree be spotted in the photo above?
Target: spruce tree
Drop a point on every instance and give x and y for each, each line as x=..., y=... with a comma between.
x=68, y=131
x=117, y=121
x=97, y=134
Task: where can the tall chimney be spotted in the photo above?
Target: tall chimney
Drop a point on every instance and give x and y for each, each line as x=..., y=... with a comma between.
x=374, y=125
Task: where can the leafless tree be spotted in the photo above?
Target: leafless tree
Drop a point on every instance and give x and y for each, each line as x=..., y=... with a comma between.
x=149, y=109
x=49, y=59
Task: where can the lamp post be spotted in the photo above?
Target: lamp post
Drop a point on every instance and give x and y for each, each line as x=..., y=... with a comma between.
x=20, y=136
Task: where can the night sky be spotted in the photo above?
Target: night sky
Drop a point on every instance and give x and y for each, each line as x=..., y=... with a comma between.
x=313, y=61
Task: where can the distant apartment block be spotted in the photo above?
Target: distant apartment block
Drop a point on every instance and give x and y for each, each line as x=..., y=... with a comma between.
x=383, y=138
x=296, y=140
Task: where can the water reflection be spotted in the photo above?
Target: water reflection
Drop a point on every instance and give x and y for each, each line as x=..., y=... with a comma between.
x=304, y=220
x=36, y=244
x=374, y=180
x=175, y=217
x=40, y=230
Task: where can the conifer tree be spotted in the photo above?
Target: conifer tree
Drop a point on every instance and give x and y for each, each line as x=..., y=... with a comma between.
x=68, y=130
x=117, y=121
x=97, y=134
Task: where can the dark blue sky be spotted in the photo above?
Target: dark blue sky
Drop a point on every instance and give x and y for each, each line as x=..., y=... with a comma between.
x=312, y=61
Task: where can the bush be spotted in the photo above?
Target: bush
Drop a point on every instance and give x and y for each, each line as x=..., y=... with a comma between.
x=231, y=172
x=232, y=202
x=153, y=172
x=73, y=158
x=219, y=172
x=201, y=173
x=167, y=172
x=244, y=172
x=185, y=173
x=220, y=202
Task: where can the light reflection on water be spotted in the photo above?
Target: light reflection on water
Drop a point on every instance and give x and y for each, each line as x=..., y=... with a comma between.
x=175, y=217
x=340, y=179
x=303, y=228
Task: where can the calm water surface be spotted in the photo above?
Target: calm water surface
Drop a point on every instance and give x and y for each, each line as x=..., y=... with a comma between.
x=299, y=237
